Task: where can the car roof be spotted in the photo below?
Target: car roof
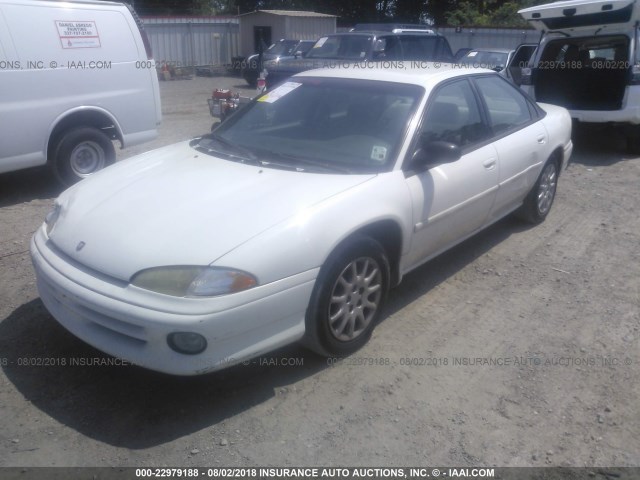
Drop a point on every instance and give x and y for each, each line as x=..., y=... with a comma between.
x=494, y=50
x=426, y=74
x=385, y=33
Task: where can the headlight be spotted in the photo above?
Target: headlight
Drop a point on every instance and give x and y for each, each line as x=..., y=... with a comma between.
x=188, y=281
x=52, y=217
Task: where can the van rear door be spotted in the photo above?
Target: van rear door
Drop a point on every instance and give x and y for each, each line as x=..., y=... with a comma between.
x=582, y=15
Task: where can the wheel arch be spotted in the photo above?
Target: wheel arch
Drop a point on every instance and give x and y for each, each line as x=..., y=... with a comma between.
x=83, y=117
x=557, y=156
x=388, y=234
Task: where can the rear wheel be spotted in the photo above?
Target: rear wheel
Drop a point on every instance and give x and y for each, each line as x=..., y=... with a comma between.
x=348, y=297
x=537, y=203
x=81, y=152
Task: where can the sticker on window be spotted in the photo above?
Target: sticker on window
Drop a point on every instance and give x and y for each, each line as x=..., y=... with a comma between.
x=320, y=42
x=472, y=54
x=378, y=153
x=278, y=93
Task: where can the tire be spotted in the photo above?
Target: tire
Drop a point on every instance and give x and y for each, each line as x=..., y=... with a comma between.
x=537, y=204
x=348, y=296
x=81, y=152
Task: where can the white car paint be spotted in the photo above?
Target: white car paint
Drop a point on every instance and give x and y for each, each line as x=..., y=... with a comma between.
x=178, y=206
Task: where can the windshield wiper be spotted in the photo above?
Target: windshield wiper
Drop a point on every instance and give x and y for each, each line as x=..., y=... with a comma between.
x=300, y=162
x=246, y=155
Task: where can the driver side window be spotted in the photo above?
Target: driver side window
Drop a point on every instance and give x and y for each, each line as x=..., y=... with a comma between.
x=453, y=116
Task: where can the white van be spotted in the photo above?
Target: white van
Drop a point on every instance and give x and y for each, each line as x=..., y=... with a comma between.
x=74, y=76
x=588, y=62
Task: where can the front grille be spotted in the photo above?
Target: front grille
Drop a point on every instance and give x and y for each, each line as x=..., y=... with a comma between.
x=122, y=330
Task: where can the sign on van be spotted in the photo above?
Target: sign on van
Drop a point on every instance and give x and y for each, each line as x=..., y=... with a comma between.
x=78, y=34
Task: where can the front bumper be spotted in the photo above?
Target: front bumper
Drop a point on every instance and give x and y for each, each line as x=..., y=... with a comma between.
x=132, y=324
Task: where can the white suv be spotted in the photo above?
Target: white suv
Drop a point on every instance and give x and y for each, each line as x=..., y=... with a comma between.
x=587, y=62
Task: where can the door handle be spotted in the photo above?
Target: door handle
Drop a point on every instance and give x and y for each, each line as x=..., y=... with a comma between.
x=489, y=164
x=542, y=139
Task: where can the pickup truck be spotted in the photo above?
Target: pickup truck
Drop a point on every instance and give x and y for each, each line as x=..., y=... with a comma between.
x=332, y=51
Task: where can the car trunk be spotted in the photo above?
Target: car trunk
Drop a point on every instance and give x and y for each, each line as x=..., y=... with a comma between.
x=589, y=73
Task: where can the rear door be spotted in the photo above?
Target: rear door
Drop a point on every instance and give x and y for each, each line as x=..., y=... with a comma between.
x=519, y=138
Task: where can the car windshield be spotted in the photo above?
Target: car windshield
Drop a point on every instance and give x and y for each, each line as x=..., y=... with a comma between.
x=348, y=47
x=319, y=124
x=485, y=59
x=283, y=47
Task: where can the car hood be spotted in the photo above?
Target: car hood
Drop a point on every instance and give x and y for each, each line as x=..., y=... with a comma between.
x=176, y=206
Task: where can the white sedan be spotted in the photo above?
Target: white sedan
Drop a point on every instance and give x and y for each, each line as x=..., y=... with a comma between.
x=291, y=221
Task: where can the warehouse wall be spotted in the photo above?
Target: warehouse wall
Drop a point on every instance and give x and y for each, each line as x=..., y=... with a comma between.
x=192, y=41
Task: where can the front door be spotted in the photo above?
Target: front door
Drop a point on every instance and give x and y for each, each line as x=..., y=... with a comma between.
x=452, y=200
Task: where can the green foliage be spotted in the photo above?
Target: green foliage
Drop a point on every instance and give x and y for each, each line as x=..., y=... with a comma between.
x=440, y=12
x=488, y=13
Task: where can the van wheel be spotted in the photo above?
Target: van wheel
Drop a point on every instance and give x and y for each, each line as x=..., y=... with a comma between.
x=81, y=152
x=538, y=201
x=348, y=296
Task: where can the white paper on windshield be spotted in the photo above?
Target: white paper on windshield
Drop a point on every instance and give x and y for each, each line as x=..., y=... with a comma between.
x=378, y=153
x=276, y=94
x=320, y=42
x=472, y=54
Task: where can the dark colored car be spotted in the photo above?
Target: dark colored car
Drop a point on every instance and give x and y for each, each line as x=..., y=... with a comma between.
x=283, y=48
x=332, y=51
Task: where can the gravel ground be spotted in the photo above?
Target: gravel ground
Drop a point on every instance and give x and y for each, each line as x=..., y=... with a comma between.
x=522, y=345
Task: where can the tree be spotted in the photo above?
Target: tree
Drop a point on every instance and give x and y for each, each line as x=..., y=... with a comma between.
x=490, y=13
x=409, y=11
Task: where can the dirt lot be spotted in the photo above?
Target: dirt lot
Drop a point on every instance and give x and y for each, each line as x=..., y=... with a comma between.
x=523, y=347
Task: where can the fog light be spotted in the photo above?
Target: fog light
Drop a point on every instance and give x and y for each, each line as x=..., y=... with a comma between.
x=187, y=342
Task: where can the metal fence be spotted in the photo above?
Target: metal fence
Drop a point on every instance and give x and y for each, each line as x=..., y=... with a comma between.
x=193, y=41
x=199, y=41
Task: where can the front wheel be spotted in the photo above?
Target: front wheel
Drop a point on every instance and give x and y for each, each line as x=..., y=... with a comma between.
x=81, y=152
x=537, y=203
x=348, y=297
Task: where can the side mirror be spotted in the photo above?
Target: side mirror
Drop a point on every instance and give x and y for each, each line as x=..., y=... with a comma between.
x=435, y=153
x=498, y=68
x=298, y=54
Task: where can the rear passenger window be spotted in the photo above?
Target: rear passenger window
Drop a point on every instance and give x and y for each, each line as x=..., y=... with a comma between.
x=453, y=116
x=507, y=107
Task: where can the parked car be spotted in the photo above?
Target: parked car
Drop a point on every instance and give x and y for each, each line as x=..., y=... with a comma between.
x=461, y=52
x=291, y=221
x=390, y=27
x=588, y=63
x=495, y=59
x=280, y=50
x=333, y=51
x=499, y=59
x=75, y=76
